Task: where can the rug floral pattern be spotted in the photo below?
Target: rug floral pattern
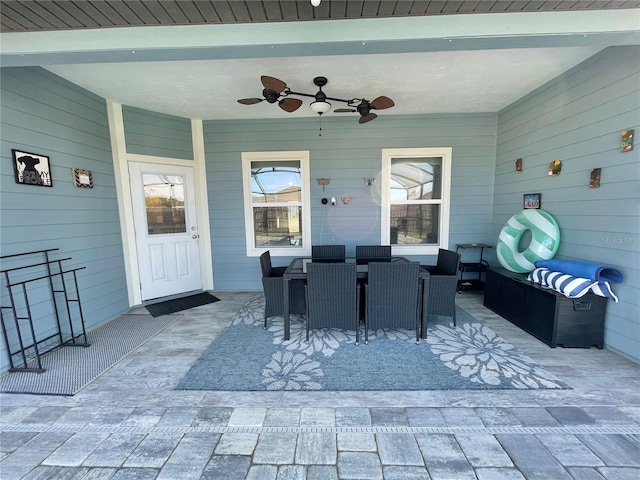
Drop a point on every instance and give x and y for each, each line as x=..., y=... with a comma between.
x=472, y=350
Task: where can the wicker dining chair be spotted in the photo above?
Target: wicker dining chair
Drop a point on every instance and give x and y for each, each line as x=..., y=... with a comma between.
x=332, y=297
x=372, y=253
x=328, y=253
x=394, y=298
x=440, y=298
x=273, y=285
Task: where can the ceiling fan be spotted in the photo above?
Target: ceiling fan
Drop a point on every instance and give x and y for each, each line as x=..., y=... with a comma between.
x=277, y=91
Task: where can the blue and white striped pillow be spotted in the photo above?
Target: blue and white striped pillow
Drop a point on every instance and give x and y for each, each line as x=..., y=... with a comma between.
x=570, y=286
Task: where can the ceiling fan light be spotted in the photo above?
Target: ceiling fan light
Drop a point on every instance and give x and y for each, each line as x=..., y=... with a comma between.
x=320, y=107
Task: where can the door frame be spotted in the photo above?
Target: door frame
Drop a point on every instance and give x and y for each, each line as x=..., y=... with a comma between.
x=121, y=161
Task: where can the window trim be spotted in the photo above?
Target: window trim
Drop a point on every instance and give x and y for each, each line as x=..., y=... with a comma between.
x=293, y=251
x=385, y=222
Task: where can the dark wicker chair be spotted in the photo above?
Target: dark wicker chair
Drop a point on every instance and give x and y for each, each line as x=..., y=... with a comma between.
x=440, y=297
x=273, y=286
x=328, y=253
x=372, y=253
x=332, y=297
x=393, y=297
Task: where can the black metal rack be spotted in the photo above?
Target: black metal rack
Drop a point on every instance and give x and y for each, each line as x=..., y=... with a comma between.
x=31, y=343
x=478, y=267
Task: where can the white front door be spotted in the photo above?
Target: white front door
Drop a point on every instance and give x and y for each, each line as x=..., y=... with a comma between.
x=164, y=212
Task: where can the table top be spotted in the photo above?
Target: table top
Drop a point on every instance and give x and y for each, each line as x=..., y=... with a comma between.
x=297, y=267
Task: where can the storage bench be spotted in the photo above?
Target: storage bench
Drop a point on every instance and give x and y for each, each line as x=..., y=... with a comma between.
x=544, y=313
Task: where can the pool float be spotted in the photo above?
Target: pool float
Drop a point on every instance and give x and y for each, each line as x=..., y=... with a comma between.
x=545, y=239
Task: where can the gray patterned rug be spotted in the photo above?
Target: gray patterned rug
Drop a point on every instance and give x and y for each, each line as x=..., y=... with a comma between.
x=68, y=369
x=246, y=357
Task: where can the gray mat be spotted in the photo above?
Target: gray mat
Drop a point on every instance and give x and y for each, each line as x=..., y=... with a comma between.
x=68, y=369
x=246, y=357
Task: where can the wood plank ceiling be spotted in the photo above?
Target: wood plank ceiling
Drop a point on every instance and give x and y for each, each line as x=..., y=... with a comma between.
x=29, y=16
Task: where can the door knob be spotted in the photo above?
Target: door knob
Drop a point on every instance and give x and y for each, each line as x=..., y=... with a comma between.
x=195, y=236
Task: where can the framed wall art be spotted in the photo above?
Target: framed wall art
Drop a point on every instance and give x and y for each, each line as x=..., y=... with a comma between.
x=594, y=178
x=627, y=141
x=31, y=169
x=518, y=165
x=532, y=200
x=82, y=178
x=555, y=168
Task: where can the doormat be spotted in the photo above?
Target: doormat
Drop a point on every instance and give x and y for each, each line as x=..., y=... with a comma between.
x=69, y=369
x=179, y=304
x=246, y=357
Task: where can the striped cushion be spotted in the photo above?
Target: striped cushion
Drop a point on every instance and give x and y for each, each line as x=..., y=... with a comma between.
x=570, y=286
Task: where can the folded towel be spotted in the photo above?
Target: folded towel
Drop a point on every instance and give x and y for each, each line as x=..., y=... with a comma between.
x=576, y=268
x=570, y=286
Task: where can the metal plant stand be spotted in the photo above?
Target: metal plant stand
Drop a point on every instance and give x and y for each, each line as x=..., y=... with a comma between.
x=29, y=344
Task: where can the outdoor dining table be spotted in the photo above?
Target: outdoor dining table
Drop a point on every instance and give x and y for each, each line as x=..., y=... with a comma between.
x=297, y=269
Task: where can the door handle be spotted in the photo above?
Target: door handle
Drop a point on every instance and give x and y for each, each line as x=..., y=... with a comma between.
x=195, y=236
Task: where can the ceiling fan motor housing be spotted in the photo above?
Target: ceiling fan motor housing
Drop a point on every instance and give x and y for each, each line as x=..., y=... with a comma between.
x=270, y=96
x=364, y=108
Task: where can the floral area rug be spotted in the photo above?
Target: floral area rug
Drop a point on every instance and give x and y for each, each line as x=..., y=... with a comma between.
x=246, y=357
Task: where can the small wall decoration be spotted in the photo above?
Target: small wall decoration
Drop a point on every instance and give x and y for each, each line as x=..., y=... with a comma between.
x=346, y=200
x=518, y=165
x=82, y=178
x=555, y=168
x=627, y=141
x=31, y=168
x=532, y=200
x=323, y=181
x=368, y=182
x=594, y=179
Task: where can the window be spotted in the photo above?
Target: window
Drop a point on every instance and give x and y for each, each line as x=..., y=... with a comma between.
x=415, y=199
x=276, y=203
x=164, y=203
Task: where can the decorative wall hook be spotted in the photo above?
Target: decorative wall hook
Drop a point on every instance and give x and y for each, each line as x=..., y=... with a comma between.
x=368, y=182
x=323, y=182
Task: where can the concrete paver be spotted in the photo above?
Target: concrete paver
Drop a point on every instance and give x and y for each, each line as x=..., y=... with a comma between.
x=112, y=429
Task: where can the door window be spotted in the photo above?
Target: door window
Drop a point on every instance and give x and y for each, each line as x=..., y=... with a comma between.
x=164, y=203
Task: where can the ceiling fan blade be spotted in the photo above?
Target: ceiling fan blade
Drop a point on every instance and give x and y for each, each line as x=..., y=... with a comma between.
x=367, y=118
x=271, y=83
x=345, y=110
x=250, y=101
x=290, y=104
x=381, y=103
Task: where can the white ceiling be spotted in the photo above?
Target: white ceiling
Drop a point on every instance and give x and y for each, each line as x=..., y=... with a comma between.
x=445, y=64
x=429, y=82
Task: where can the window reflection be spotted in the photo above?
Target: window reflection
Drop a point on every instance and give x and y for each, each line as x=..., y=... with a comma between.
x=416, y=178
x=164, y=202
x=276, y=182
x=415, y=224
x=415, y=193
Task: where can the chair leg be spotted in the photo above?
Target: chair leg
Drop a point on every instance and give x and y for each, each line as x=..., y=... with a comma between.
x=265, y=321
x=358, y=310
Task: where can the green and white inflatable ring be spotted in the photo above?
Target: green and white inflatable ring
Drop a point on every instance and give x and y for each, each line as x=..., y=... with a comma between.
x=545, y=239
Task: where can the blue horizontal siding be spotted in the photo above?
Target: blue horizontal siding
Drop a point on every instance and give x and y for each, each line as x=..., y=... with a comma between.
x=578, y=118
x=44, y=114
x=346, y=152
x=157, y=134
